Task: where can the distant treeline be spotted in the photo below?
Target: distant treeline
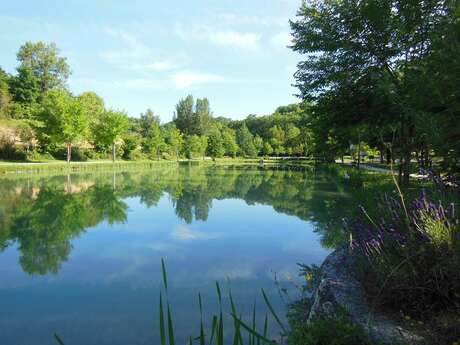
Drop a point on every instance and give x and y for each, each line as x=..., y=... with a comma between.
x=51, y=122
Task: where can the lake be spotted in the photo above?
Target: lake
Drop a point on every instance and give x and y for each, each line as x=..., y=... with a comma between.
x=80, y=253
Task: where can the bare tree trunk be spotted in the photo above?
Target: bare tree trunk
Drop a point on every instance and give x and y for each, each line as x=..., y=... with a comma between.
x=69, y=152
x=113, y=152
x=359, y=153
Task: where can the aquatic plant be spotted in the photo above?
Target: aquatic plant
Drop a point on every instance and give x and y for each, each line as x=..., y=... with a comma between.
x=215, y=335
x=411, y=254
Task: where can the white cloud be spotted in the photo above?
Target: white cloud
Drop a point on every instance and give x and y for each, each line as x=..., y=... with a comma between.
x=183, y=233
x=185, y=79
x=281, y=40
x=235, y=39
x=224, y=38
x=125, y=84
x=134, y=55
x=162, y=66
x=228, y=18
x=241, y=272
x=134, y=49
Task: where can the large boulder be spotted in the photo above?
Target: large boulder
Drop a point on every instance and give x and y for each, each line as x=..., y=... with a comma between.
x=338, y=290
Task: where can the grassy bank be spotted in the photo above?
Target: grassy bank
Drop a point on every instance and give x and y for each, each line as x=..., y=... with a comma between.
x=62, y=166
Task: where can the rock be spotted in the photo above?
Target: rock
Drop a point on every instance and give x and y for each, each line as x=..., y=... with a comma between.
x=339, y=290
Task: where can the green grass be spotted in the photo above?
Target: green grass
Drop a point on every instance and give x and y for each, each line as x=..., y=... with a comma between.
x=215, y=336
x=8, y=167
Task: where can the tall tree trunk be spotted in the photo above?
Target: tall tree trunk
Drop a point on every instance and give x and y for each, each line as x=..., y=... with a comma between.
x=359, y=153
x=407, y=133
x=69, y=152
x=113, y=152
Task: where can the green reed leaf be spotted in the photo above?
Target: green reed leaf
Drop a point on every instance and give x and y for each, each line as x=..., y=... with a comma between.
x=272, y=311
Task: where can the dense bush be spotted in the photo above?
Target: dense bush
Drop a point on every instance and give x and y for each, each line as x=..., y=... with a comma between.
x=36, y=156
x=9, y=151
x=78, y=154
x=408, y=259
x=327, y=331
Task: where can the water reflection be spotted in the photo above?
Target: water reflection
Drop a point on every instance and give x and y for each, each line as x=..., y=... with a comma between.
x=44, y=216
x=90, y=244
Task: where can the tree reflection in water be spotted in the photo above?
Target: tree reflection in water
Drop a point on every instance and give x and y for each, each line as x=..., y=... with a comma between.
x=44, y=214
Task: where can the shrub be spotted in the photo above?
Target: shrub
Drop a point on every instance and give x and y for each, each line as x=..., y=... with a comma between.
x=334, y=330
x=35, y=156
x=411, y=256
x=78, y=154
x=9, y=151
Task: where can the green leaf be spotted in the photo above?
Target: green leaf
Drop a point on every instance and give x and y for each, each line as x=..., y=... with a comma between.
x=58, y=339
x=170, y=327
x=162, y=322
x=272, y=311
x=165, y=277
x=251, y=331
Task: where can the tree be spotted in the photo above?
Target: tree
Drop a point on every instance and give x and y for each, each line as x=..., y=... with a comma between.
x=149, y=128
x=147, y=121
x=229, y=142
x=62, y=119
x=131, y=142
x=109, y=129
x=244, y=139
x=5, y=96
x=202, y=117
x=193, y=119
x=183, y=116
x=174, y=139
x=26, y=134
x=258, y=143
x=25, y=87
x=215, y=144
x=94, y=109
x=195, y=146
x=277, y=138
x=369, y=49
x=267, y=150
x=51, y=70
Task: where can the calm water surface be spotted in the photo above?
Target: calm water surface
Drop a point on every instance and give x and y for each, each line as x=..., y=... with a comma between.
x=80, y=254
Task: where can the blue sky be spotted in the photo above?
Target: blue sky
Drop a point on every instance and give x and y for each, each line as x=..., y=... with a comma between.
x=140, y=54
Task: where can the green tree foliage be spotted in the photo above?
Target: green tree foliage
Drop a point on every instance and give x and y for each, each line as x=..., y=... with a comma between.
x=109, y=129
x=215, y=144
x=174, y=140
x=267, y=149
x=277, y=137
x=202, y=117
x=183, y=116
x=63, y=120
x=258, y=143
x=131, y=142
x=5, y=96
x=25, y=86
x=94, y=108
x=191, y=118
x=365, y=64
x=147, y=121
x=195, y=146
x=229, y=142
x=152, y=137
x=45, y=63
x=245, y=141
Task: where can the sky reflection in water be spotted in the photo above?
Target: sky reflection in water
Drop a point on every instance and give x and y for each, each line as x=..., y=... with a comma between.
x=81, y=253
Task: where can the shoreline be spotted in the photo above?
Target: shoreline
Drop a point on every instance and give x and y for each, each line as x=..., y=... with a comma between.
x=8, y=168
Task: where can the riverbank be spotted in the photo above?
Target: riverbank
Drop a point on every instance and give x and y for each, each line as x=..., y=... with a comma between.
x=63, y=166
